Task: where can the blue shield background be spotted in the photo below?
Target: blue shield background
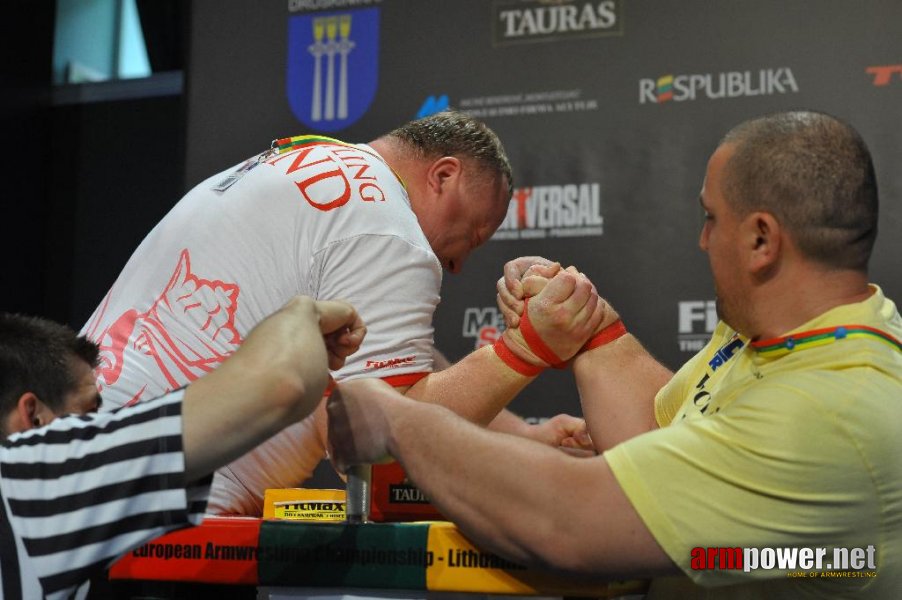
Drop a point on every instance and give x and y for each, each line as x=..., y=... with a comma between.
x=363, y=67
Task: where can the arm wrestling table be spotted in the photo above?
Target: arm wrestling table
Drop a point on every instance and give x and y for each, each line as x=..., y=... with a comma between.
x=285, y=558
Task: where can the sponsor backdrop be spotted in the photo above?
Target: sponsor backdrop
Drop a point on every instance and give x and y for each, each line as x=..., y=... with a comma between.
x=608, y=109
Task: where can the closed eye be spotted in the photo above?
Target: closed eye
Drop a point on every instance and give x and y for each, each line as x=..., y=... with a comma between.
x=706, y=216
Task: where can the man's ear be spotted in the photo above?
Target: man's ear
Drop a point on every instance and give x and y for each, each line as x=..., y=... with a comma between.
x=24, y=415
x=762, y=238
x=441, y=172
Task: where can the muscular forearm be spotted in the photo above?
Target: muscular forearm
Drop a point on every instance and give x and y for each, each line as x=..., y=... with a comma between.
x=617, y=385
x=477, y=387
x=277, y=377
x=565, y=513
x=508, y=422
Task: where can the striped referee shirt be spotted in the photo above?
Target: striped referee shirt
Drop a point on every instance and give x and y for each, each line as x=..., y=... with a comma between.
x=83, y=490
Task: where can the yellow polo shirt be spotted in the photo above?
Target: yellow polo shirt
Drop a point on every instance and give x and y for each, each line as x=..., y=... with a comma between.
x=793, y=444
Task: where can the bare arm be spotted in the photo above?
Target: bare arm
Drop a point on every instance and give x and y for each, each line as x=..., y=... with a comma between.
x=477, y=387
x=480, y=385
x=276, y=378
x=505, y=420
x=617, y=385
x=568, y=514
x=560, y=430
x=508, y=422
x=617, y=382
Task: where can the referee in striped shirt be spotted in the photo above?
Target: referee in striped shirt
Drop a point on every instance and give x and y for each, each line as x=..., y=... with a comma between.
x=80, y=490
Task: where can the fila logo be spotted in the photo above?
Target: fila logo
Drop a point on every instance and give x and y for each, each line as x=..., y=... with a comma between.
x=883, y=75
x=697, y=320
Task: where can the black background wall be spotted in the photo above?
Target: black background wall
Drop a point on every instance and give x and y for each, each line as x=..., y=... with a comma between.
x=84, y=179
x=111, y=180
x=25, y=102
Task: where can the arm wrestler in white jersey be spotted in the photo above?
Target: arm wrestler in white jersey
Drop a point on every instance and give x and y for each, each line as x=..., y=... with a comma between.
x=371, y=224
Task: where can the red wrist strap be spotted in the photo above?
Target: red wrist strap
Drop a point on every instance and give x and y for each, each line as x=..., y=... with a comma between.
x=605, y=336
x=513, y=361
x=535, y=343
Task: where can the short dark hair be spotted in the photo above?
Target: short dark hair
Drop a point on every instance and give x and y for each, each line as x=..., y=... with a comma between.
x=452, y=133
x=36, y=356
x=814, y=173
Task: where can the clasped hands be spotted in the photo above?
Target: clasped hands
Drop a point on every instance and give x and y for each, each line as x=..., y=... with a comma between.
x=560, y=305
x=564, y=310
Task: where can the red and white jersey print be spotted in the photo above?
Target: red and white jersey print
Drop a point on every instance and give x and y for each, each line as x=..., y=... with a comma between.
x=187, y=331
x=327, y=220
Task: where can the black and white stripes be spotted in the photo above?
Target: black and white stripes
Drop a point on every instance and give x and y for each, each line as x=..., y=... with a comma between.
x=84, y=490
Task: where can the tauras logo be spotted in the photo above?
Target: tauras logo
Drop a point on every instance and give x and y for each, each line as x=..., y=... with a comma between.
x=486, y=324
x=539, y=20
x=883, y=75
x=716, y=86
x=697, y=320
x=571, y=210
x=406, y=494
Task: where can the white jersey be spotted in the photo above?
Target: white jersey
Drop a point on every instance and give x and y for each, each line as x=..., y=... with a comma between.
x=324, y=219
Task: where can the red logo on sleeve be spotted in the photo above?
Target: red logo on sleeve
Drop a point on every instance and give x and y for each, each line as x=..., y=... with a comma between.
x=391, y=363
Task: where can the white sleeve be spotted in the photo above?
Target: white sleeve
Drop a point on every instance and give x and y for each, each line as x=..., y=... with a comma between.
x=394, y=285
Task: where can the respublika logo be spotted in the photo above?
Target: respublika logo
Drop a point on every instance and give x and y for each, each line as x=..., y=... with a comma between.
x=333, y=61
x=542, y=211
x=883, y=75
x=484, y=323
x=717, y=86
x=697, y=320
x=542, y=20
